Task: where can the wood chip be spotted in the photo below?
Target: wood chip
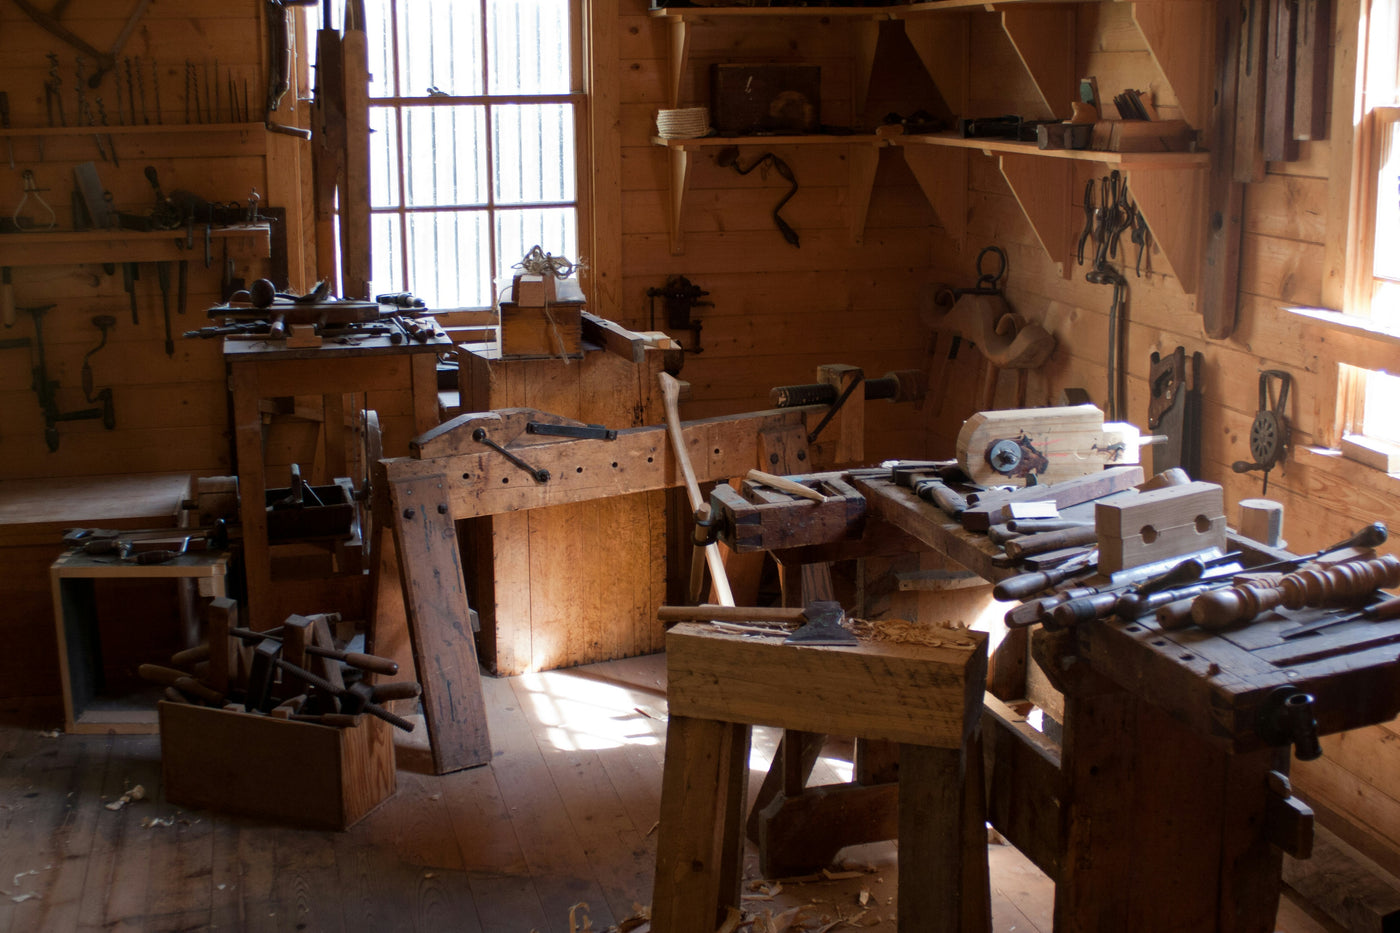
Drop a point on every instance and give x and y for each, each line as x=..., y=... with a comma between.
x=731, y=922
x=904, y=632
x=573, y=919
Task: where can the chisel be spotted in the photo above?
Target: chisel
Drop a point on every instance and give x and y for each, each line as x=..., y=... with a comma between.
x=1380, y=612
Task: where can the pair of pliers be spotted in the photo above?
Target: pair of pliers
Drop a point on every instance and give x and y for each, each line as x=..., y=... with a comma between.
x=1139, y=237
x=1088, y=218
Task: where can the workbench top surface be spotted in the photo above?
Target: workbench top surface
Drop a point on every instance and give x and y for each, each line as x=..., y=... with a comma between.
x=75, y=563
x=927, y=523
x=36, y=511
x=244, y=350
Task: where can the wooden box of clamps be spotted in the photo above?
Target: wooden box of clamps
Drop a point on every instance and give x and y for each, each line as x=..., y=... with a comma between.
x=553, y=327
x=297, y=773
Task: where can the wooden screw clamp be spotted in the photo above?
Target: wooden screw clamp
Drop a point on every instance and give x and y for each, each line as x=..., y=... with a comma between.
x=1342, y=585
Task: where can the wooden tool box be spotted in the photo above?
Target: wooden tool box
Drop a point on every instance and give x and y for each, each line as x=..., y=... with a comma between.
x=307, y=774
x=544, y=319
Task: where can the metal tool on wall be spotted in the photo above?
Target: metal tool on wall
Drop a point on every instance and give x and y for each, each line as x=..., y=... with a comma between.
x=1174, y=410
x=729, y=156
x=1106, y=219
x=47, y=389
x=1269, y=432
x=681, y=297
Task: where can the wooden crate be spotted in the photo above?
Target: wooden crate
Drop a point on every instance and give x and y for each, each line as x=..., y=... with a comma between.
x=300, y=773
x=552, y=331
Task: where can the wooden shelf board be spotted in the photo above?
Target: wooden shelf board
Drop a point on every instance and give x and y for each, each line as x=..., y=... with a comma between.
x=76, y=247
x=899, y=11
x=1123, y=160
x=810, y=139
x=137, y=129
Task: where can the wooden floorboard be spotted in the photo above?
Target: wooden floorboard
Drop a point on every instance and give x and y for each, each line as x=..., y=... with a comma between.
x=565, y=815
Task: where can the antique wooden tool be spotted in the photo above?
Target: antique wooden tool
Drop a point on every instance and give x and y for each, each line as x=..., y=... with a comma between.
x=1048, y=444
x=670, y=394
x=1342, y=585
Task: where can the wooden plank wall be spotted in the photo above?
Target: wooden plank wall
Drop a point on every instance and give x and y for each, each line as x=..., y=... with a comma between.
x=171, y=412
x=778, y=311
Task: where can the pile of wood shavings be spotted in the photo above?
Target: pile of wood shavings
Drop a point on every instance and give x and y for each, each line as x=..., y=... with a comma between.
x=904, y=632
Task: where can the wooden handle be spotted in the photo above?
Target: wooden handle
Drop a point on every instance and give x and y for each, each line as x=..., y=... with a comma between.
x=783, y=484
x=729, y=613
x=1340, y=585
x=1045, y=541
x=366, y=662
x=671, y=395
x=180, y=681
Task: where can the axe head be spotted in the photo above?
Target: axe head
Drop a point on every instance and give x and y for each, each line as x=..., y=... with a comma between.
x=823, y=626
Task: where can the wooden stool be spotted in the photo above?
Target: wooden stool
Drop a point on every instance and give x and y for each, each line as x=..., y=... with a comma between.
x=926, y=697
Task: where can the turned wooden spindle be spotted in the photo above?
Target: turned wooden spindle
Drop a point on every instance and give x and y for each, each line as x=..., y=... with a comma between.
x=1342, y=585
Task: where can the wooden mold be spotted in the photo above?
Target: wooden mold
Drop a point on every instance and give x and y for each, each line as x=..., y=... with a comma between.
x=1159, y=524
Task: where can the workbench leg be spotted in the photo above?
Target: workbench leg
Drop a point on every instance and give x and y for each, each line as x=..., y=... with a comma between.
x=425, y=392
x=943, y=884
x=1144, y=818
x=387, y=632
x=699, y=848
x=439, y=623
x=252, y=487
x=1251, y=873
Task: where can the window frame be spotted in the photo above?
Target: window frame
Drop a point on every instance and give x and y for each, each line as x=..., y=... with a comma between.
x=1359, y=156
x=578, y=97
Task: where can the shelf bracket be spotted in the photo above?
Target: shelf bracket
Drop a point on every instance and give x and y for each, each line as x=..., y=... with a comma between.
x=1043, y=189
x=1043, y=37
x=865, y=161
x=942, y=174
x=678, y=159
x=1180, y=36
x=679, y=29
x=1171, y=202
x=865, y=35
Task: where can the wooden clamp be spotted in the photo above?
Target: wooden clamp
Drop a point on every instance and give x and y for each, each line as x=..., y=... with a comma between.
x=756, y=518
x=1159, y=524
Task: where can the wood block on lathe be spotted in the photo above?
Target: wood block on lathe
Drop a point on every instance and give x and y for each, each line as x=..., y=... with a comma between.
x=1055, y=444
x=1156, y=525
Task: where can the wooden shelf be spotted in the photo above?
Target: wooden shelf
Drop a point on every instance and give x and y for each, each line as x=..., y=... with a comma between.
x=77, y=247
x=1168, y=187
x=863, y=155
x=128, y=130
x=1119, y=160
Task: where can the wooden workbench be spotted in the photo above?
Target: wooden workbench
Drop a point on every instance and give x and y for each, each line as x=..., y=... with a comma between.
x=544, y=581
x=1166, y=806
x=267, y=369
x=33, y=516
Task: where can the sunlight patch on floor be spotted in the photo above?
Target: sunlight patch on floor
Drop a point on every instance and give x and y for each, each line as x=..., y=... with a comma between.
x=583, y=714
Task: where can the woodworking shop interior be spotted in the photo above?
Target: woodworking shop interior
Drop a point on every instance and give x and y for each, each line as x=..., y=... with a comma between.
x=699, y=465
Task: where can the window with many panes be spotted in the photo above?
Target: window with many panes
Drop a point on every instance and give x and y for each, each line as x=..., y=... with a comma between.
x=1371, y=398
x=475, y=107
